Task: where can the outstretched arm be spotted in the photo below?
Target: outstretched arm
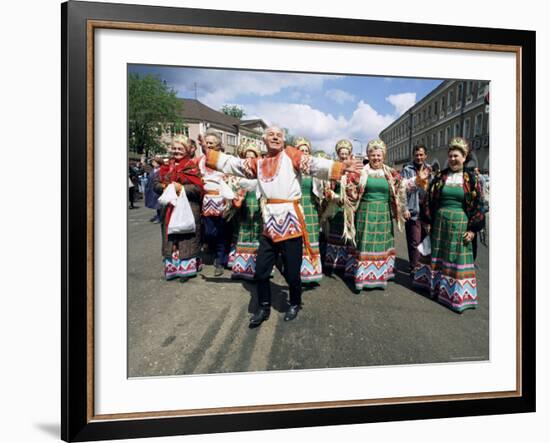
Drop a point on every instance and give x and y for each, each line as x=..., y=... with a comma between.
x=321, y=168
x=228, y=164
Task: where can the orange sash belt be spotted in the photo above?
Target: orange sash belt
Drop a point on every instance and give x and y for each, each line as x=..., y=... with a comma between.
x=212, y=192
x=301, y=219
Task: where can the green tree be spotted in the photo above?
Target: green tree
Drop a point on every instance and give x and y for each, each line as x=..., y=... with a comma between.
x=233, y=111
x=152, y=105
x=289, y=138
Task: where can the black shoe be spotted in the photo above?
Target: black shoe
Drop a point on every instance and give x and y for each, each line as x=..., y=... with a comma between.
x=259, y=317
x=292, y=312
x=218, y=271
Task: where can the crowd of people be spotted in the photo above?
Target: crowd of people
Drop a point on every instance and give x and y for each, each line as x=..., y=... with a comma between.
x=308, y=215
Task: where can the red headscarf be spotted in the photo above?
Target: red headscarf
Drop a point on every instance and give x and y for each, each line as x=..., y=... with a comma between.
x=184, y=172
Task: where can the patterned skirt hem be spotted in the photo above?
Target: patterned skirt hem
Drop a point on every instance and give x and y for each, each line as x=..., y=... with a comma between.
x=456, y=307
x=457, y=294
x=371, y=273
x=311, y=270
x=336, y=257
x=374, y=284
x=177, y=268
x=242, y=275
x=244, y=266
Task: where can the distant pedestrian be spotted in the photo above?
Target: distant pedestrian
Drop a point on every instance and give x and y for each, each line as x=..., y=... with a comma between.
x=132, y=186
x=151, y=197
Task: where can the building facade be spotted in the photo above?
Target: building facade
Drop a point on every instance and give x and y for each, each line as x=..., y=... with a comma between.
x=454, y=108
x=198, y=118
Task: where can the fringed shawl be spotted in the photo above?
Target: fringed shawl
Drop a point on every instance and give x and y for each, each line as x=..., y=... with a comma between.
x=356, y=186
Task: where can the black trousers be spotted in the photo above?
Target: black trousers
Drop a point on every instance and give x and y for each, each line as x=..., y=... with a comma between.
x=291, y=253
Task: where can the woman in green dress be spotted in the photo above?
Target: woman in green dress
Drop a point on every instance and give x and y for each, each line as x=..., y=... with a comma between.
x=454, y=214
x=332, y=219
x=311, y=270
x=380, y=200
x=250, y=223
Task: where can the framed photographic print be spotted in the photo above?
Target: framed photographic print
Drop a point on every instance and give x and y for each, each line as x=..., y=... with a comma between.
x=275, y=221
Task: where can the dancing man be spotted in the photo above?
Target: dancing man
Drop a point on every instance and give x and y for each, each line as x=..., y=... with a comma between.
x=279, y=176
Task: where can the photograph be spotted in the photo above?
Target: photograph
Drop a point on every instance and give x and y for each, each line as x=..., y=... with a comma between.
x=302, y=220
x=278, y=221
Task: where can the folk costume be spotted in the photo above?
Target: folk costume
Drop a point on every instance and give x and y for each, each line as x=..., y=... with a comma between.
x=379, y=201
x=284, y=225
x=250, y=222
x=332, y=220
x=216, y=205
x=311, y=270
x=181, y=252
x=454, y=207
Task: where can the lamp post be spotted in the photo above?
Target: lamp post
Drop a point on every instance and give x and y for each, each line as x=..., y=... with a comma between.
x=360, y=145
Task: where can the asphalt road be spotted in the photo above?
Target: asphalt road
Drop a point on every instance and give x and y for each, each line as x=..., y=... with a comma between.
x=201, y=326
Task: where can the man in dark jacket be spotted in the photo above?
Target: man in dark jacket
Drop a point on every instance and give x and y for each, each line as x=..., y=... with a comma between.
x=413, y=227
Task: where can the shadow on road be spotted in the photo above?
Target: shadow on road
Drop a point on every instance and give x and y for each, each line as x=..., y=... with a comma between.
x=279, y=293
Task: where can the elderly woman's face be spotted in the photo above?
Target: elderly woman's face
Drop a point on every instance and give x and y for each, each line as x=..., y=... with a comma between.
x=178, y=150
x=376, y=158
x=212, y=142
x=343, y=154
x=249, y=154
x=304, y=149
x=456, y=159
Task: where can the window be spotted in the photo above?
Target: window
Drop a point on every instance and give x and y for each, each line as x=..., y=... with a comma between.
x=451, y=98
x=478, y=128
x=436, y=110
x=440, y=139
x=433, y=142
x=459, y=93
x=480, y=89
x=447, y=135
x=231, y=140
x=468, y=88
x=466, y=132
x=457, y=129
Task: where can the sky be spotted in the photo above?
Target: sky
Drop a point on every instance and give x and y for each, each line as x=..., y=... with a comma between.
x=323, y=108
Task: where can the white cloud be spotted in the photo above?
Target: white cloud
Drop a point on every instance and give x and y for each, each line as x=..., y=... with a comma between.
x=402, y=102
x=217, y=87
x=324, y=129
x=339, y=96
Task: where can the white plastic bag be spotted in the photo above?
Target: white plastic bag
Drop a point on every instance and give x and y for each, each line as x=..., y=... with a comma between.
x=168, y=196
x=425, y=248
x=181, y=220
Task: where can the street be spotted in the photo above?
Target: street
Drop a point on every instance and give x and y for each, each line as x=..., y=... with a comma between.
x=201, y=326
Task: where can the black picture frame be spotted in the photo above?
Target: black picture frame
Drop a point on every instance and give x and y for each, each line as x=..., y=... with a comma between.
x=77, y=420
